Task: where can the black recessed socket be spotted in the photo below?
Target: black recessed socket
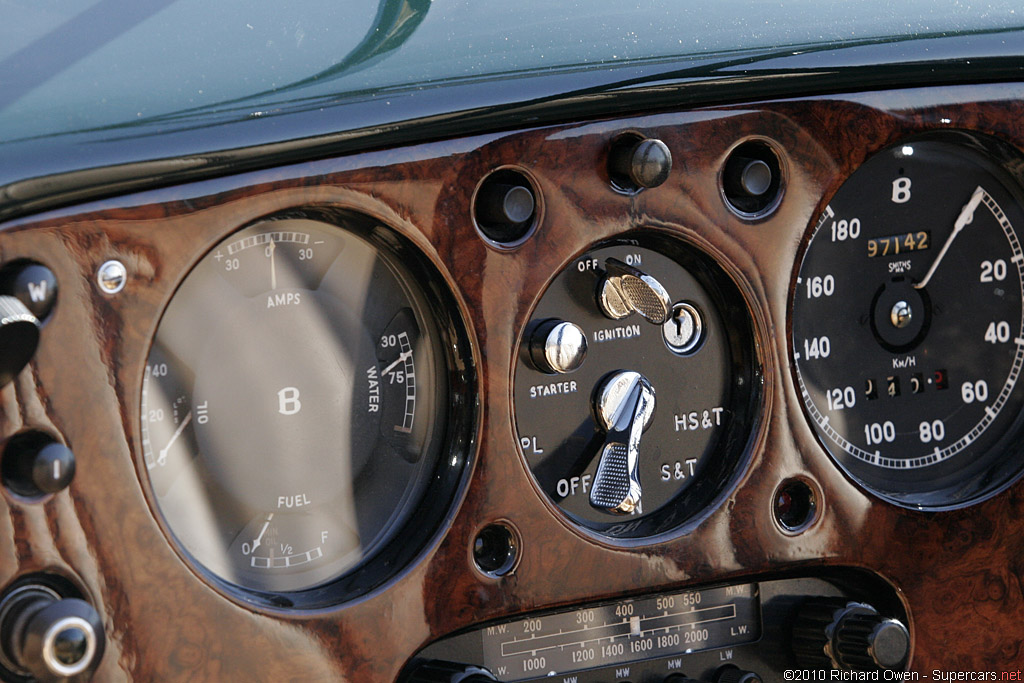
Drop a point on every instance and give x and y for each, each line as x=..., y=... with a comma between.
x=35, y=464
x=505, y=207
x=795, y=505
x=752, y=179
x=496, y=550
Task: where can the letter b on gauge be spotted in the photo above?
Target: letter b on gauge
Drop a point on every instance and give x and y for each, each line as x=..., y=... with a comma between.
x=288, y=402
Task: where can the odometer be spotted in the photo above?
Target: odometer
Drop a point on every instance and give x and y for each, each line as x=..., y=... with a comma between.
x=907, y=324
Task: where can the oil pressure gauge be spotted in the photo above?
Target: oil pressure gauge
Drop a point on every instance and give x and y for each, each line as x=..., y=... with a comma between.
x=296, y=408
x=635, y=387
x=908, y=322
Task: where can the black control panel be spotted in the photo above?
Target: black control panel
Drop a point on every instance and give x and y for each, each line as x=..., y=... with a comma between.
x=724, y=633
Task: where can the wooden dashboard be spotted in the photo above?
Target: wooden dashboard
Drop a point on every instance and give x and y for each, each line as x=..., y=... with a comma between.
x=958, y=572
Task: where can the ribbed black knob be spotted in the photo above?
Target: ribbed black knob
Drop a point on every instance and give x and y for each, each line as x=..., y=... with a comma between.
x=49, y=638
x=635, y=164
x=811, y=639
x=868, y=642
x=448, y=672
x=734, y=674
x=19, y=337
x=849, y=636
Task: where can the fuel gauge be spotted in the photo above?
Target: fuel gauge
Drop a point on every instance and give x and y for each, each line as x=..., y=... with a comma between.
x=314, y=542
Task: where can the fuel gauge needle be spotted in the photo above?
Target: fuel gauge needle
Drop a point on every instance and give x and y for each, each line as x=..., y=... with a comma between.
x=965, y=217
x=162, y=458
x=259, y=539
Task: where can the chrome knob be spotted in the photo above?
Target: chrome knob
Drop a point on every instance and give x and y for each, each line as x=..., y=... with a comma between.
x=625, y=290
x=49, y=637
x=558, y=346
x=19, y=337
x=625, y=406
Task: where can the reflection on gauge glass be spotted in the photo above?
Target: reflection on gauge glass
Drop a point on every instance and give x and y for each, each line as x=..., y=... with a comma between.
x=908, y=324
x=294, y=404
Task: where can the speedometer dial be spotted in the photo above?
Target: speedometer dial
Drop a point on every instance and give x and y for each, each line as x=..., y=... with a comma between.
x=907, y=324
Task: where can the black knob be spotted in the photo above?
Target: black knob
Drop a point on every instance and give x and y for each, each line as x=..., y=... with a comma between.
x=35, y=464
x=19, y=337
x=33, y=284
x=48, y=637
x=734, y=674
x=637, y=163
x=849, y=636
x=866, y=642
x=448, y=672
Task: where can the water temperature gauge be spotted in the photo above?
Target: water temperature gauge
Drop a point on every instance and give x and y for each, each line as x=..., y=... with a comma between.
x=635, y=387
x=295, y=406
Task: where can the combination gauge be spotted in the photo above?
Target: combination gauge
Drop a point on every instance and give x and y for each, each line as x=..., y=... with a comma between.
x=908, y=323
x=297, y=421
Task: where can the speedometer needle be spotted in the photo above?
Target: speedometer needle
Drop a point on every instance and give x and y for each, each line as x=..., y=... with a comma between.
x=965, y=217
x=401, y=359
x=162, y=458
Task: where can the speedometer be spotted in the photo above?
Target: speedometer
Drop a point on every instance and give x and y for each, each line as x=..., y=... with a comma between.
x=908, y=323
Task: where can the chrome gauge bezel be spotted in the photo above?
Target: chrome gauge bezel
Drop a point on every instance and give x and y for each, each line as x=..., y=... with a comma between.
x=456, y=407
x=940, y=481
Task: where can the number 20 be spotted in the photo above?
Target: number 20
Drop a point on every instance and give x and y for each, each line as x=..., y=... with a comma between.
x=993, y=270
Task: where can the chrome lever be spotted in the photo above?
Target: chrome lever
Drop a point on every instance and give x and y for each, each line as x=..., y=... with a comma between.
x=625, y=406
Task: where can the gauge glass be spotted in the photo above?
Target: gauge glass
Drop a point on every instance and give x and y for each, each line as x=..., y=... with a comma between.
x=907, y=324
x=293, y=406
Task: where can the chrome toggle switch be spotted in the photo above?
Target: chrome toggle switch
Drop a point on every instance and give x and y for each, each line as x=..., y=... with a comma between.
x=625, y=406
x=627, y=290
